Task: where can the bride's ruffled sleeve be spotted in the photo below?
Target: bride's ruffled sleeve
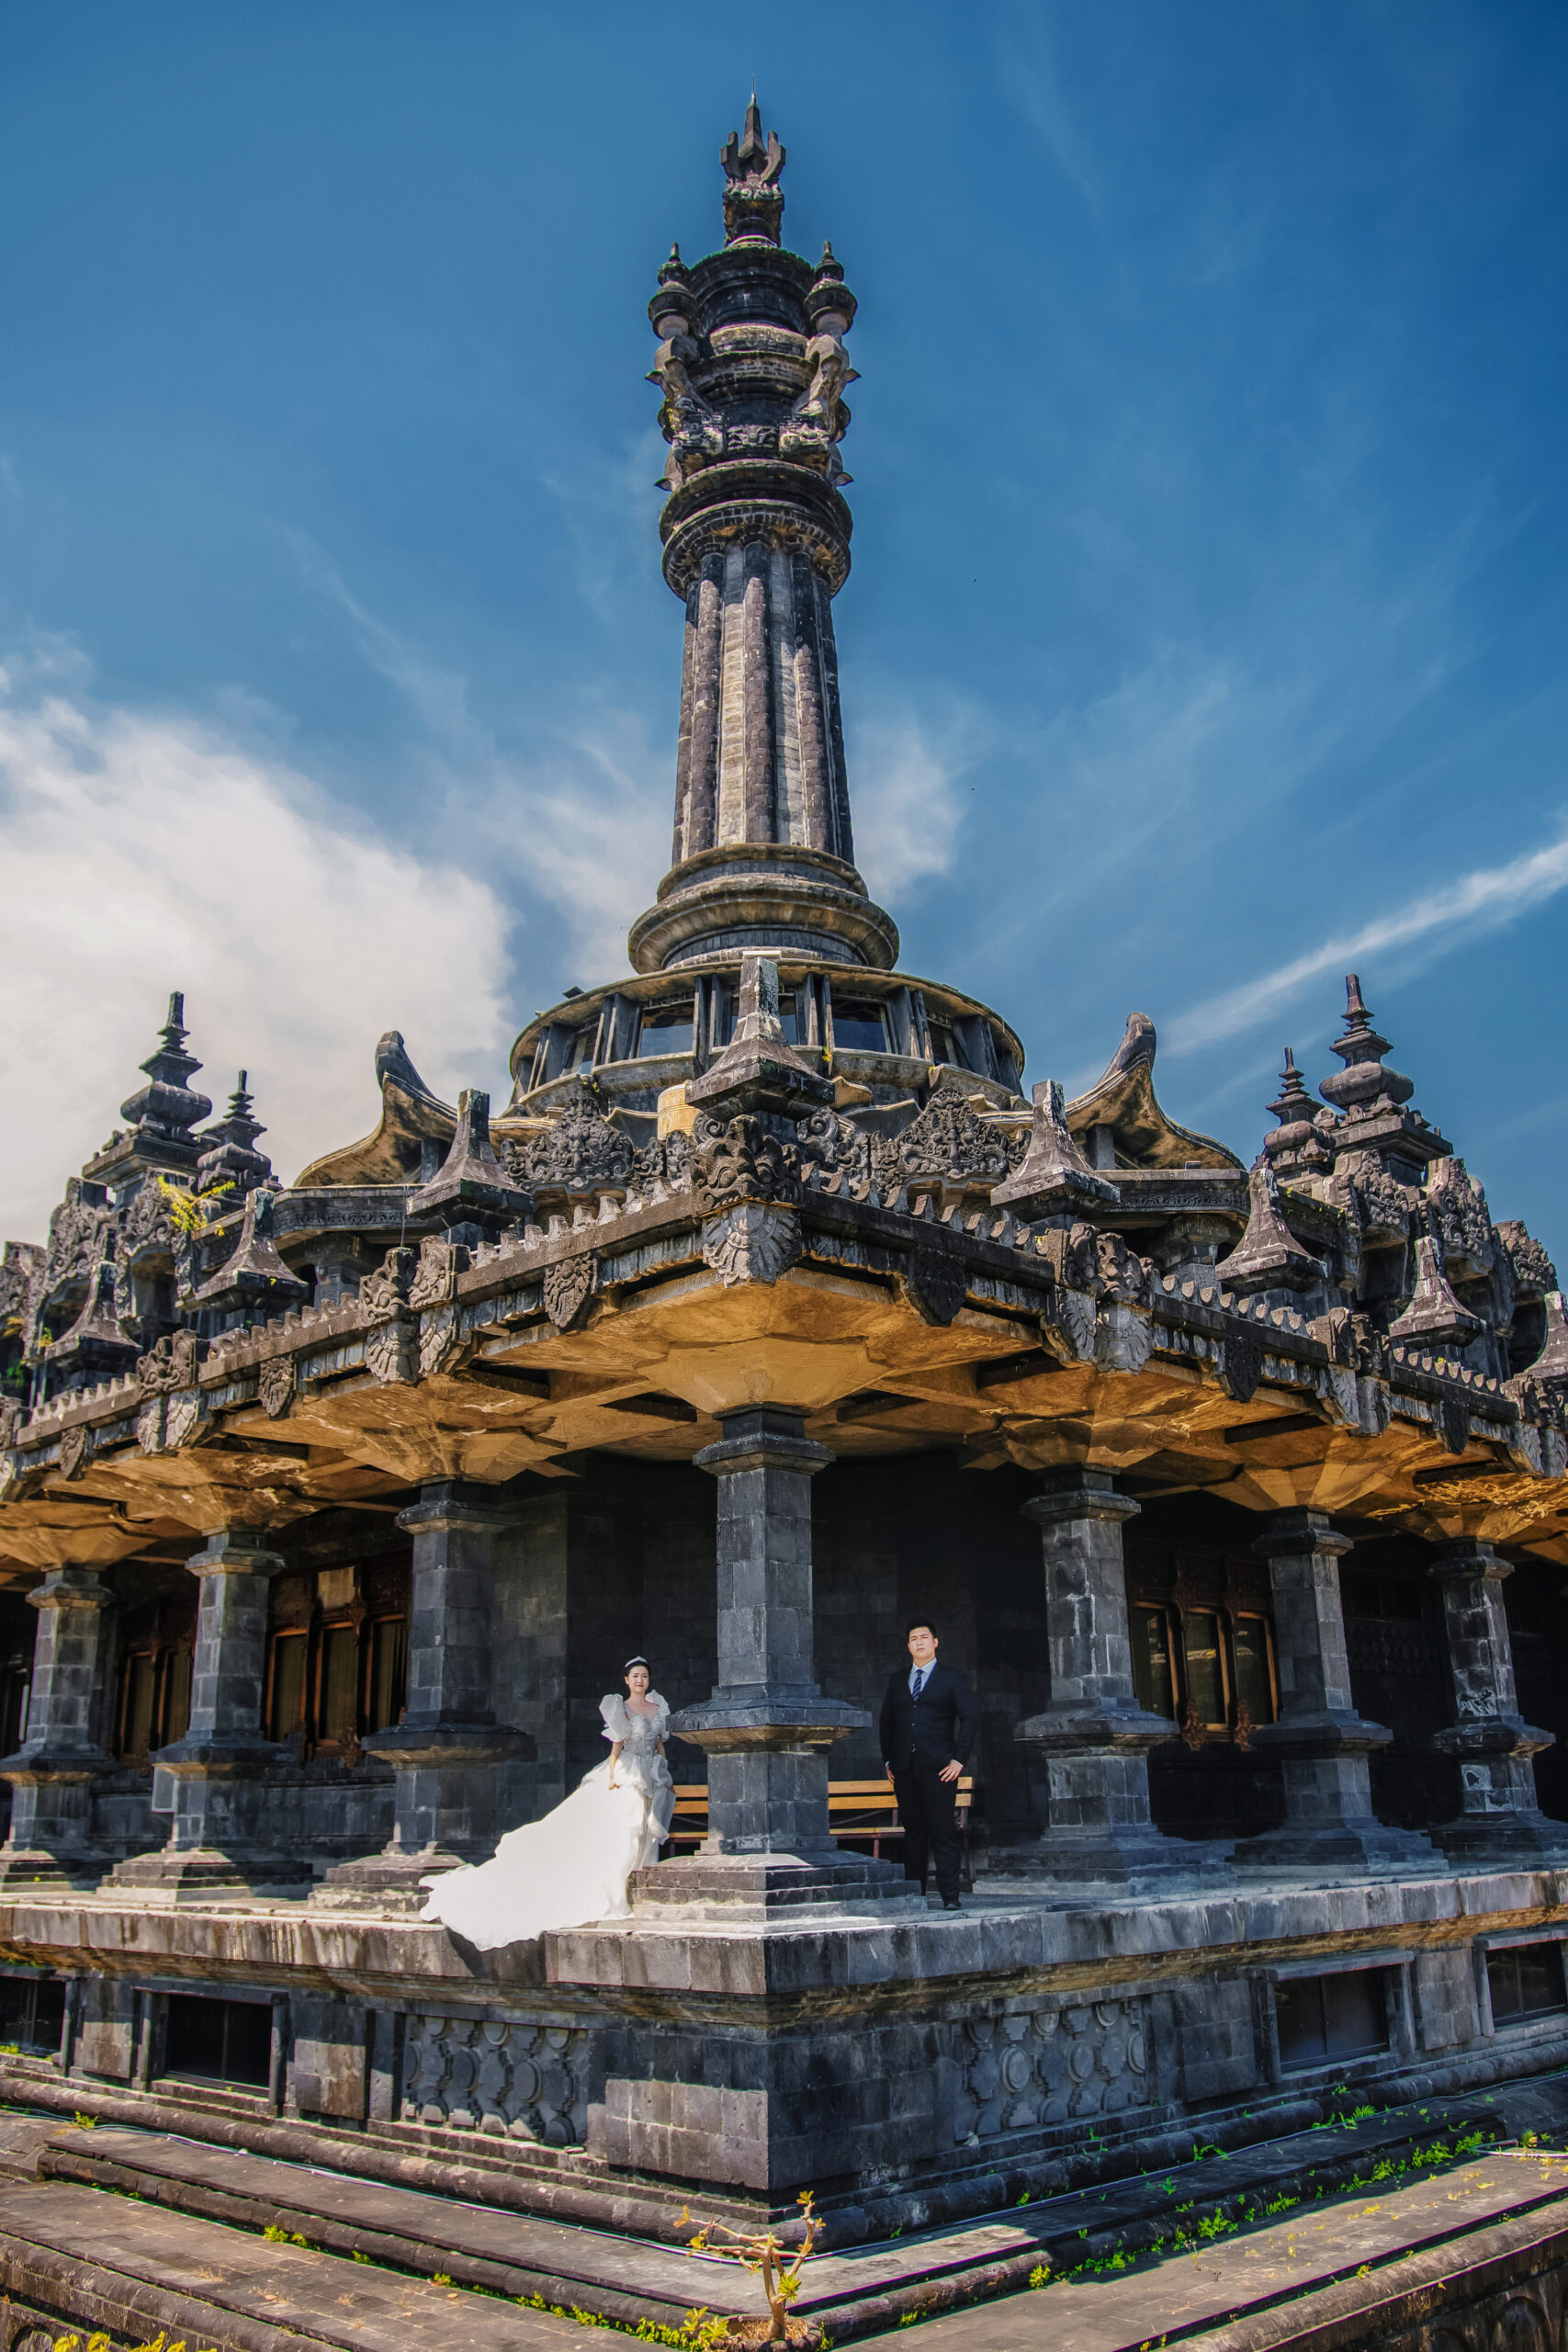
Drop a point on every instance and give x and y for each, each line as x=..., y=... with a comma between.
x=663, y=1725
x=614, y=1710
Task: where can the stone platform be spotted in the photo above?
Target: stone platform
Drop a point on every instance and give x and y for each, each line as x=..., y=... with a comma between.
x=913, y=2067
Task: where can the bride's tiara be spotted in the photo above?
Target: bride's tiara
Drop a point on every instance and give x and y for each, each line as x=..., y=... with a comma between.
x=634, y=1661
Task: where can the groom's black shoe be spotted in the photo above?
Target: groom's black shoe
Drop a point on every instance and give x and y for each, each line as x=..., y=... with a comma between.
x=950, y=1903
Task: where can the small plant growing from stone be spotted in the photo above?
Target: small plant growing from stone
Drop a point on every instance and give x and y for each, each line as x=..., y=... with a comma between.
x=766, y=2255
x=101, y=2344
x=190, y=1213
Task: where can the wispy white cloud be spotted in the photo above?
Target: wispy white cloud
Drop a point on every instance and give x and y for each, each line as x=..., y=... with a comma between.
x=438, y=696
x=577, y=823
x=1478, y=902
x=904, y=777
x=1030, y=77
x=583, y=828
x=144, y=853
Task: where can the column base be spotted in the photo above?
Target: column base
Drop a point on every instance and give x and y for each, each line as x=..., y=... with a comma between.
x=389, y=1882
x=194, y=1872
x=738, y=1887
x=23, y=1867
x=1530, y=1840
x=1131, y=1861
x=1309, y=1851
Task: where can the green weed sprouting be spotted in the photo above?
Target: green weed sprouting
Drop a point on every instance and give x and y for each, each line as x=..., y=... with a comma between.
x=192, y=1212
x=101, y=2344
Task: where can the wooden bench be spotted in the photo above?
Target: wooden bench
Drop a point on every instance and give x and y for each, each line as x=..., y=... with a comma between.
x=859, y=1812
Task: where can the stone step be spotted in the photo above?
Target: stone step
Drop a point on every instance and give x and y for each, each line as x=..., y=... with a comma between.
x=1450, y=2253
x=81, y=2257
x=873, y=2285
x=77, y=2259
x=623, y=2279
x=627, y=2277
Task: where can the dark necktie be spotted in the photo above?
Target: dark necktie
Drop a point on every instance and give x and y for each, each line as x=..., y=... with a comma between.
x=919, y=1682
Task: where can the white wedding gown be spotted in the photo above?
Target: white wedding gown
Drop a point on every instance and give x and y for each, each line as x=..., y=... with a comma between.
x=571, y=1867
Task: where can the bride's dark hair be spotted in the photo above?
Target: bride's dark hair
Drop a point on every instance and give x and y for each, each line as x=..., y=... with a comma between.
x=634, y=1661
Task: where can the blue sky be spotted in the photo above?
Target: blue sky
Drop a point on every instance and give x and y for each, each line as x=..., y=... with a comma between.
x=1211, y=570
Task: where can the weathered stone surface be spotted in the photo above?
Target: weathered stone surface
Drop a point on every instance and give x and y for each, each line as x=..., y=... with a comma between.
x=763, y=1201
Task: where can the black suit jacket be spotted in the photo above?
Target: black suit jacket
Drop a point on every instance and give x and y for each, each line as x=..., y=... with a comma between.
x=939, y=1726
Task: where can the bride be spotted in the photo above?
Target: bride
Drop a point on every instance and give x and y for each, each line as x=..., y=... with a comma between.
x=572, y=1867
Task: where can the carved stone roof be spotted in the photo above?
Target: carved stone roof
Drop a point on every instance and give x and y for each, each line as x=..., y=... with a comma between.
x=411, y=1118
x=1123, y=1100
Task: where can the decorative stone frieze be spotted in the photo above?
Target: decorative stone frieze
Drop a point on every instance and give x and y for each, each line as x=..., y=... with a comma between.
x=1050, y=2063
x=504, y=2079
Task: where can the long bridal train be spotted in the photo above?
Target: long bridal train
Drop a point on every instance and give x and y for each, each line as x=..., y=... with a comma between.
x=571, y=1867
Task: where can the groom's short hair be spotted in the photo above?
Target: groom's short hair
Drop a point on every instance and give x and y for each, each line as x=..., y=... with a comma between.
x=915, y=1625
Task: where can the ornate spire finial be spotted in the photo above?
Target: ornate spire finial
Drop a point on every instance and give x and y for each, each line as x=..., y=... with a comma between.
x=1295, y=1142
x=1365, y=1079
x=754, y=204
x=228, y=1155
x=167, y=1109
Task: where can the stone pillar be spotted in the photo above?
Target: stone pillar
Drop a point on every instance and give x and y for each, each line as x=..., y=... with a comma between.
x=52, y=1773
x=1323, y=1743
x=1096, y=1735
x=756, y=625
x=213, y=1834
x=1500, y=1815
x=701, y=688
x=767, y=1728
x=448, y=1744
x=816, y=764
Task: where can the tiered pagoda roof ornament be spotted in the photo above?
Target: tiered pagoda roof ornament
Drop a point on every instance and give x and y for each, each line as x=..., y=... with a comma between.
x=752, y=369
x=1295, y=1144
x=1370, y=1098
x=229, y=1156
x=162, y=1113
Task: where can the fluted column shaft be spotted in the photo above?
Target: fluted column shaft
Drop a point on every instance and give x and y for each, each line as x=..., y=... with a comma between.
x=816, y=753
x=758, y=791
x=760, y=757
x=843, y=842
x=697, y=773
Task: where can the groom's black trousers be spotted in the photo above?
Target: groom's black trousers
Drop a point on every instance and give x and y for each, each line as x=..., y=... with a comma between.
x=926, y=1813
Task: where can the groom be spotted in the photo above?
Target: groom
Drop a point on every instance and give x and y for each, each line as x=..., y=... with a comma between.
x=928, y=1730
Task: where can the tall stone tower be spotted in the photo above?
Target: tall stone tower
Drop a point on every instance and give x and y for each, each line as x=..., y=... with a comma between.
x=752, y=369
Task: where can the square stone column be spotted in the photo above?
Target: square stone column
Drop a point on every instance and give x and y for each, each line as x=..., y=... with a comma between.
x=1500, y=1816
x=1096, y=1735
x=214, y=1837
x=1323, y=1743
x=52, y=1772
x=448, y=1745
x=767, y=1728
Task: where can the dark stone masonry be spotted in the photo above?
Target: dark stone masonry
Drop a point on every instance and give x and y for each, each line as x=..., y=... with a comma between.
x=768, y=1311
